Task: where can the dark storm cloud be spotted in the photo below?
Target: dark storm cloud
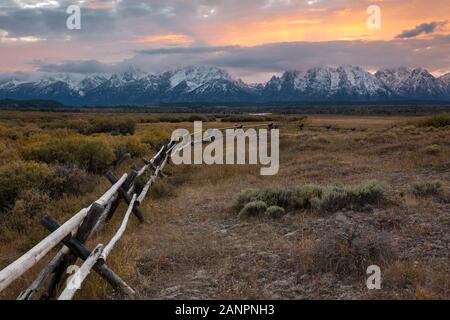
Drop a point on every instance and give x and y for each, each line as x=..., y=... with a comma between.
x=85, y=67
x=33, y=22
x=420, y=29
x=134, y=17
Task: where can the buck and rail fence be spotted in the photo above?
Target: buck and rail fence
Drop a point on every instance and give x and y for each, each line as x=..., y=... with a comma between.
x=74, y=233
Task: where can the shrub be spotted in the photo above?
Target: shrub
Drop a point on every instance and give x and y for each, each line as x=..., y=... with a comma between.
x=80, y=125
x=433, y=149
x=319, y=139
x=155, y=138
x=93, y=155
x=129, y=145
x=95, y=125
x=10, y=133
x=69, y=179
x=7, y=154
x=288, y=198
x=337, y=197
x=30, y=203
x=436, y=121
x=328, y=198
x=349, y=252
x=260, y=118
x=161, y=189
x=253, y=209
x=200, y=117
x=275, y=212
x=18, y=176
x=426, y=189
x=115, y=126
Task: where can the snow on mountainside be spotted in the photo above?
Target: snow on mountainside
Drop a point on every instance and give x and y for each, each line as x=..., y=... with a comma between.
x=202, y=84
x=194, y=77
x=445, y=77
x=91, y=82
x=446, y=81
x=413, y=83
x=345, y=82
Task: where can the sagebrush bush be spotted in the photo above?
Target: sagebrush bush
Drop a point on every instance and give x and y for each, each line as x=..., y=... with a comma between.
x=260, y=118
x=349, y=252
x=201, y=117
x=91, y=154
x=129, y=145
x=10, y=133
x=155, y=138
x=320, y=198
x=433, y=149
x=115, y=126
x=287, y=198
x=436, y=121
x=275, y=212
x=82, y=126
x=426, y=189
x=253, y=209
x=19, y=176
x=162, y=189
x=30, y=203
x=8, y=154
x=95, y=125
x=335, y=198
x=69, y=179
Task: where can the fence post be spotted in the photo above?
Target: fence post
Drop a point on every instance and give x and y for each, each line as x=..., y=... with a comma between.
x=124, y=195
x=83, y=253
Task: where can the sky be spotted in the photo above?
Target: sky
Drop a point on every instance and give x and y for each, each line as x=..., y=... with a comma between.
x=252, y=39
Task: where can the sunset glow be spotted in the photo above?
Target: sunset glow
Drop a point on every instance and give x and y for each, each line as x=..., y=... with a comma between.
x=117, y=31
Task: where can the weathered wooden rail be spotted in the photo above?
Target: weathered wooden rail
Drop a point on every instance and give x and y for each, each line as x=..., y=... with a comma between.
x=74, y=233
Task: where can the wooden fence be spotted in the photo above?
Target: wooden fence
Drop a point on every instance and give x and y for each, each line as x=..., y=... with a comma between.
x=74, y=233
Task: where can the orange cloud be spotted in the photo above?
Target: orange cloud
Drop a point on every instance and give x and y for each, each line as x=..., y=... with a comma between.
x=99, y=5
x=179, y=39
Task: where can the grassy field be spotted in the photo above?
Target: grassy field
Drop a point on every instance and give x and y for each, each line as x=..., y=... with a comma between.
x=342, y=201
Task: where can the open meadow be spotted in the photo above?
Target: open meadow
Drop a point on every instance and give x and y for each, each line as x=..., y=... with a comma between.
x=369, y=190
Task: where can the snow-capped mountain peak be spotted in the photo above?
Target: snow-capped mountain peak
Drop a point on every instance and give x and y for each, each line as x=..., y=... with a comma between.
x=414, y=83
x=196, y=76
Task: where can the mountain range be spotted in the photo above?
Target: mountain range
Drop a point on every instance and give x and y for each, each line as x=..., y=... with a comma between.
x=202, y=84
